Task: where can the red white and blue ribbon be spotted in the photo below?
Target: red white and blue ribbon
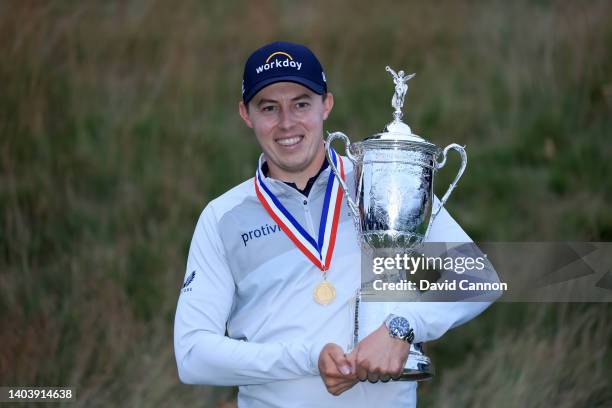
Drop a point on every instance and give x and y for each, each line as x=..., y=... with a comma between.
x=319, y=251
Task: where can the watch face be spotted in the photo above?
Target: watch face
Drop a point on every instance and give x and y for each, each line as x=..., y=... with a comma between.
x=399, y=327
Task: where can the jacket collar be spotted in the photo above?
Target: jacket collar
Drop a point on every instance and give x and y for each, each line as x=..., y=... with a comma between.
x=281, y=188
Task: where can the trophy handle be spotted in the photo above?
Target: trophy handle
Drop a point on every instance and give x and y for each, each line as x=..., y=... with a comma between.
x=439, y=165
x=330, y=138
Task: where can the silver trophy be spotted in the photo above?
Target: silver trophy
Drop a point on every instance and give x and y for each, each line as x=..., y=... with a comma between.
x=393, y=207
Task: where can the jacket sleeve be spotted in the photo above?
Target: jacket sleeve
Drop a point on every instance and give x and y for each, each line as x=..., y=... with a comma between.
x=204, y=354
x=431, y=319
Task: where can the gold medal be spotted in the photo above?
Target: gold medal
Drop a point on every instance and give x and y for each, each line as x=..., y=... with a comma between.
x=324, y=293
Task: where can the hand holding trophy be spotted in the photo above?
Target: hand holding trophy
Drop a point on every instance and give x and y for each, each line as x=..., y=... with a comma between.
x=393, y=207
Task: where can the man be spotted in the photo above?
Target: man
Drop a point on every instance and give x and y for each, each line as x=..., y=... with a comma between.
x=274, y=265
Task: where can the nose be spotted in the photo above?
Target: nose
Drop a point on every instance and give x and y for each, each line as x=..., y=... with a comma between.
x=286, y=119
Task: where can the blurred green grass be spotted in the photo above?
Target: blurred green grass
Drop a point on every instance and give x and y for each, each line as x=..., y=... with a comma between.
x=118, y=123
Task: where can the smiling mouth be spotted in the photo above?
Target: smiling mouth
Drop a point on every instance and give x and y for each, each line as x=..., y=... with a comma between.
x=289, y=141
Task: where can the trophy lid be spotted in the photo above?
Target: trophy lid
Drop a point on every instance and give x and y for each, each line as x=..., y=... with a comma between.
x=397, y=130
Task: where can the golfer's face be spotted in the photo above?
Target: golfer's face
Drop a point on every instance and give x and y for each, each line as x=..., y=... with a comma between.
x=288, y=122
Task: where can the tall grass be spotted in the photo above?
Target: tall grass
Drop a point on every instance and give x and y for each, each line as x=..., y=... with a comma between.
x=557, y=357
x=118, y=123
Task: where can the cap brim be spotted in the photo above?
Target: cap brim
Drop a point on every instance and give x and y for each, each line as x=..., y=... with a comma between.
x=313, y=86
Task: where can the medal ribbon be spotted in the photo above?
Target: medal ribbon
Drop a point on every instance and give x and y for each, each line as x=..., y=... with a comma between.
x=319, y=252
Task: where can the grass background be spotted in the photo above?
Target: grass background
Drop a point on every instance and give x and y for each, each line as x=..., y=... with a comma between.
x=118, y=123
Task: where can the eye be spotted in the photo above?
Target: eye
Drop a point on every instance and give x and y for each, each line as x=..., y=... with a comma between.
x=302, y=105
x=268, y=108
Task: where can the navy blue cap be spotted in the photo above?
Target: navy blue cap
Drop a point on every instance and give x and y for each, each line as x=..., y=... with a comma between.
x=282, y=61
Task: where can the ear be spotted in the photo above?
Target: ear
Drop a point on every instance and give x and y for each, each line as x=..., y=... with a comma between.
x=244, y=114
x=328, y=104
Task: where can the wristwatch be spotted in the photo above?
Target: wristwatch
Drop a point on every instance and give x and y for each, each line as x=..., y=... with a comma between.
x=399, y=328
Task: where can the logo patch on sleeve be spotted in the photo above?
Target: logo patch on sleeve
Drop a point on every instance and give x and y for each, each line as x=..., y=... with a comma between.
x=187, y=282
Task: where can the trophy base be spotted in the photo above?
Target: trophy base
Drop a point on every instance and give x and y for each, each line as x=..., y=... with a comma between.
x=418, y=366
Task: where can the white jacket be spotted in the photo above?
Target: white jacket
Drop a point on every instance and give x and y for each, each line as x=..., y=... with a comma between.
x=246, y=314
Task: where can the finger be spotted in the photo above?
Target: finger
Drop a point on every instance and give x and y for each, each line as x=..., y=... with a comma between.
x=340, y=386
x=362, y=373
x=362, y=365
x=385, y=378
x=325, y=361
x=332, y=376
x=339, y=389
x=337, y=381
x=397, y=372
x=327, y=364
x=373, y=376
x=342, y=363
x=352, y=360
x=328, y=369
x=336, y=391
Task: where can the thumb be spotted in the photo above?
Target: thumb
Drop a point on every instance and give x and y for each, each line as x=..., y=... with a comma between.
x=339, y=358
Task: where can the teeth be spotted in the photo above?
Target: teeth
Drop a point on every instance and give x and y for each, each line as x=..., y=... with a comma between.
x=289, y=141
